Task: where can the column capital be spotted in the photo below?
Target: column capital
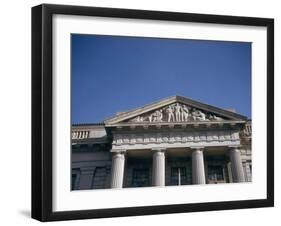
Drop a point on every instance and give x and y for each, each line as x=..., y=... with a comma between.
x=199, y=148
x=118, y=151
x=158, y=150
x=235, y=146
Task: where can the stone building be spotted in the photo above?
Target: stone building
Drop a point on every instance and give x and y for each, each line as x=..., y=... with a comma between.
x=175, y=141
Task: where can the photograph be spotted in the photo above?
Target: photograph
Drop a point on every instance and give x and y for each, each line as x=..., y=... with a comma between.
x=156, y=112
x=140, y=112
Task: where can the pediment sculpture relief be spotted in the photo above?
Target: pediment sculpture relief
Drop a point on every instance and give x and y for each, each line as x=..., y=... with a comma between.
x=176, y=113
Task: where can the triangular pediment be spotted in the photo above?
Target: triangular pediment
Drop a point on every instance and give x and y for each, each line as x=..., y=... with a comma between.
x=175, y=110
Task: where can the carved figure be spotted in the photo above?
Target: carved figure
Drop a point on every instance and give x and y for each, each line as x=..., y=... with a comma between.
x=154, y=119
x=159, y=115
x=198, y=115
x=194, y=115
x=151, y=117
x=202, y=116
x=214, y=117
x=139, y=119
x=170, y=112
x=185, y=113
x=178, y=112
x=156, y=116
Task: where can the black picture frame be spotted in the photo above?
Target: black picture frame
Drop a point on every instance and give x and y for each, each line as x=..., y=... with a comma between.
x=42, y=111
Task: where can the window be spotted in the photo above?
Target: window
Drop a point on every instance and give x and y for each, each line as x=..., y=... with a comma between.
x=178, y=176
x=99, y=178
x=75, y=147
x=215, y=173
x=73, y=181
x=83, y=146
x=140, y=178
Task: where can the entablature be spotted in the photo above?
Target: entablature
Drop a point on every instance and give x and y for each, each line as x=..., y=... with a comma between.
x=173, y=139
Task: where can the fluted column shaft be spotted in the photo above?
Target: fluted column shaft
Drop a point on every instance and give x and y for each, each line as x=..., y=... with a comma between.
x=236, y=165
x=117, y=170
x=158, y=168
x=198, y=170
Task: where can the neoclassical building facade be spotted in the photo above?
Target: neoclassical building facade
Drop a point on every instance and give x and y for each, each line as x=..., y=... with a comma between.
x=175, y=141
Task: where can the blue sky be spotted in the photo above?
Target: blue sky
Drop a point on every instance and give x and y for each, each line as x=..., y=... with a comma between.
x=114, y=73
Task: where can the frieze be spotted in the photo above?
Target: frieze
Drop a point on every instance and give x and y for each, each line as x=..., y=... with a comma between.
x=176, y=113
x=175, y=137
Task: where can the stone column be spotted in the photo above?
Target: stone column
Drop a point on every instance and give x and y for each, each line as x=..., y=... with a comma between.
x=198, y=170
x=236, y=165
x=117, y=169
x=158, y=168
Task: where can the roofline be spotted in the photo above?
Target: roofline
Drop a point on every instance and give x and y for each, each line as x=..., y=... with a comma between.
x=194, y=103
x=88, y=124
x=144, y=106
x=214, y=107
x=177, y=123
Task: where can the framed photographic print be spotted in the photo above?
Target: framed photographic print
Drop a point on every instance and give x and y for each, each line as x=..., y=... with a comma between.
x=145, y=112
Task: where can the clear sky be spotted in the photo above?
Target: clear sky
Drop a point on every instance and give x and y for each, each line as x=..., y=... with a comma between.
x=114, y=73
